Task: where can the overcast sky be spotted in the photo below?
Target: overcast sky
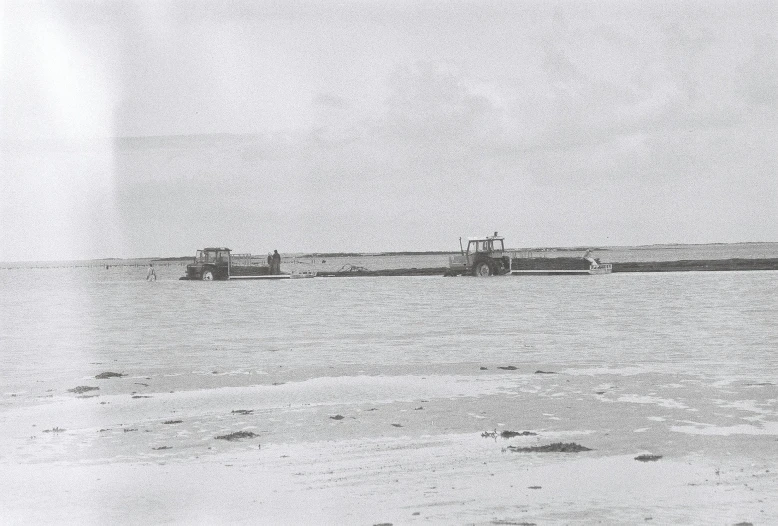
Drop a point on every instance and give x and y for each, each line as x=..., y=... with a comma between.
x=156, y=128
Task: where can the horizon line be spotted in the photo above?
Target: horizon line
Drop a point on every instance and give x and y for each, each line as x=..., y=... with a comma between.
x=398, y=252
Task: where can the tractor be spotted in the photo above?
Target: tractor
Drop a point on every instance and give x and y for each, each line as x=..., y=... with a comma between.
x=485, y=256
x=210, y=264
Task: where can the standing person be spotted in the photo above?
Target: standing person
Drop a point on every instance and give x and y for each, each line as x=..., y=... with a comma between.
x=276, y=267
x=270, y=262
x=150, y=274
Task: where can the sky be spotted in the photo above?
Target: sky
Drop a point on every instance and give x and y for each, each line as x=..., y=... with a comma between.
x=142, y=129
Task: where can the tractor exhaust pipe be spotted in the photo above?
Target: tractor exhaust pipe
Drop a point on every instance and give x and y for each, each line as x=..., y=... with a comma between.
x=462, y=250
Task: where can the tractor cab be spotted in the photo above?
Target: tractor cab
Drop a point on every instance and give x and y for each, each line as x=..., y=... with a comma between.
x=492, y=245
x=210, y=264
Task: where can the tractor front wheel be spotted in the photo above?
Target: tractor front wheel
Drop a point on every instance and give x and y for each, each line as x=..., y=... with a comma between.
x=483, y=269
x=208, y=275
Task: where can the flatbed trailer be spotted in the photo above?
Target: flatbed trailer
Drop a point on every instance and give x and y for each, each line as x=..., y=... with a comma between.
x=557, y=266
x=486, y=256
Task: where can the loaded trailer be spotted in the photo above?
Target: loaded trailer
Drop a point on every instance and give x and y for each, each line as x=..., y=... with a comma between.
x=486, y=256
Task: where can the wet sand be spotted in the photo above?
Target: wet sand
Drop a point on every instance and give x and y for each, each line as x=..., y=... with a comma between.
x=400, y=445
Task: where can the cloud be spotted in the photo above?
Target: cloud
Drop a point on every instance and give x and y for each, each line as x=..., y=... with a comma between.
x=328, y=100
x=393, y=127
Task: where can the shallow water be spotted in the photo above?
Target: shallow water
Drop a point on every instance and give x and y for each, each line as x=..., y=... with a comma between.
x=64, y=324
x=368, y=398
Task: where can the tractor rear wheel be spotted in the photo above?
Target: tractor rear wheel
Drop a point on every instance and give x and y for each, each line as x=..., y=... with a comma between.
x=208, y=275
x=483, y=269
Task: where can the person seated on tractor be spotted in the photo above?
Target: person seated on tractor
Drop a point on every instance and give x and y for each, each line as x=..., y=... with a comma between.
x=588, y=257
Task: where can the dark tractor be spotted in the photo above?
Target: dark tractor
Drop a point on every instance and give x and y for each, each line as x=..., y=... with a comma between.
x=485, y=256
x=210, y=264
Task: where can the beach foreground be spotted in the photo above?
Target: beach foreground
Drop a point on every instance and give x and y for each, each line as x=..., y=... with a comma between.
x=400, y=445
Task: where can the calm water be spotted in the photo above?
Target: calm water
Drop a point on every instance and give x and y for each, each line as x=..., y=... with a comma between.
x=69, y=323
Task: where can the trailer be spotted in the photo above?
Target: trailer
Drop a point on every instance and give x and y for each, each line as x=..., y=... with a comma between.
x=486, y=256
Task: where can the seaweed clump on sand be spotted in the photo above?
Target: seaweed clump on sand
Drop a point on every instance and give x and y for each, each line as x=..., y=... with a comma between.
x=507, y=434
x=648, y=458
x=109, y=374
x=237, y=436
x=83, y=389
x=556, y=447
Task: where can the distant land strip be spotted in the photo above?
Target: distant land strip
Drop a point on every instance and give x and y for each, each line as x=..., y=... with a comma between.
x=687, y=265
x=377, y=254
